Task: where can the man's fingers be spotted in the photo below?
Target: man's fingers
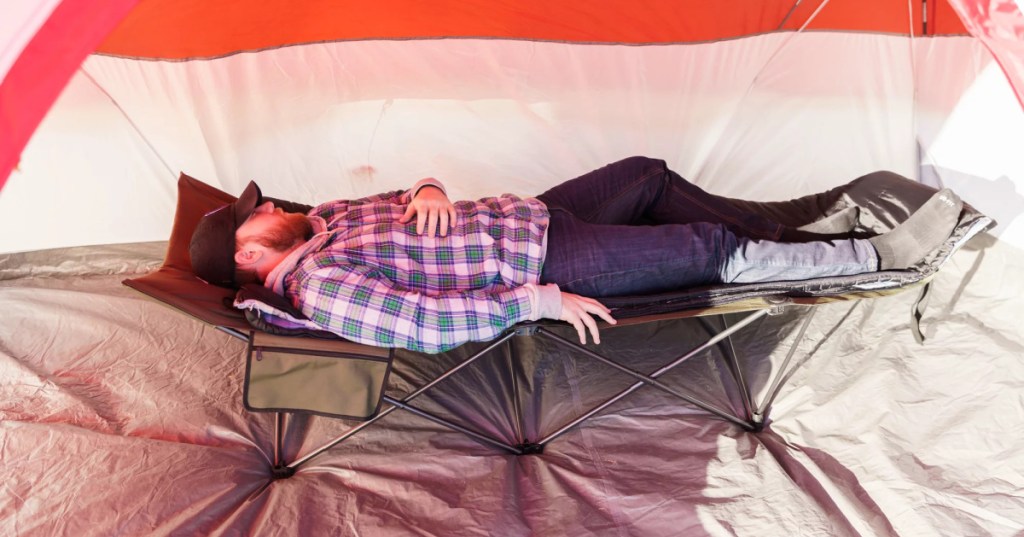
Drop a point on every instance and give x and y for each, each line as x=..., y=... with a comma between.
x=607, y=316
x=444, y=223
x=591, y=305
x=432, y=223
x=601, y=311
x=408, y=215
x=592, y=325
x=580, y=311
x=574, y=318
x=421, y=220
x=574, y=314
x=453, y=216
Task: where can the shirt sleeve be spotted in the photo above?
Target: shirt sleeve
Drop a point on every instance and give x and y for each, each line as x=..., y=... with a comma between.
x=333, y=209
x=428, y=181
x=364, y=207
x=360, y=306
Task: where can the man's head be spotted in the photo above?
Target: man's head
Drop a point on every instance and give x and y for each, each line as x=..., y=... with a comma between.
x=265, y=239
x=243, y=241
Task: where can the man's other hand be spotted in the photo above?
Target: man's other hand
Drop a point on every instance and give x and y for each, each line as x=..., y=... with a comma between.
x=578, y=311
x=435, y=214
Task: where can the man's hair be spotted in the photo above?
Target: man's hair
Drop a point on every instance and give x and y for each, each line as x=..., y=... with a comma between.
x=295, y=229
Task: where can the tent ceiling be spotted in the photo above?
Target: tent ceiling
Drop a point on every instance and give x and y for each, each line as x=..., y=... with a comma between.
x=176, y=29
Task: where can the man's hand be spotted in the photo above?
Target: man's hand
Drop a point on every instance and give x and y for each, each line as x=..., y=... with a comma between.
x=433, y=210
x=577, y=311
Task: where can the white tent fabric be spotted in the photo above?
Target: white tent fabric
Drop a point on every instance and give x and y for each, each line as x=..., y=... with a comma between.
x=121, y=417
x=768, y=117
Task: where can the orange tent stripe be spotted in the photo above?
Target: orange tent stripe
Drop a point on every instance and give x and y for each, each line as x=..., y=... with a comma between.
x=945, y=20
x=187, y=29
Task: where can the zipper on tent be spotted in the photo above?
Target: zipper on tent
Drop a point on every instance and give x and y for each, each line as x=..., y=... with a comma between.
x=925, y=7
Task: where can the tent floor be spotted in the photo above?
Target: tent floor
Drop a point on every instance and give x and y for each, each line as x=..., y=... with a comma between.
x=127, y=419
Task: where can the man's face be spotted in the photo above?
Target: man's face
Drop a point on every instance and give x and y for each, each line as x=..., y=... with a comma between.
x=274, y=228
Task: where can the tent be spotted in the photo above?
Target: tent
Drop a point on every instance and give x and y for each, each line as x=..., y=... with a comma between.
x=120, y=417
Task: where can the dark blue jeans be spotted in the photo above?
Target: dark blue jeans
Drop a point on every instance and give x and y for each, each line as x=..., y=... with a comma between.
x=636, y=227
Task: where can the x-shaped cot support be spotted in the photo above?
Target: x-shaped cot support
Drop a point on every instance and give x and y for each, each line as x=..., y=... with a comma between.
x=754, y=419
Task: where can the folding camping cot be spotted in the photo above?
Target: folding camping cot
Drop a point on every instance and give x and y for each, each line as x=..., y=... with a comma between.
x=321, y=374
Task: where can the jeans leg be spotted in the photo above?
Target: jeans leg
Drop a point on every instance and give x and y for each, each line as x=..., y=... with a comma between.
x=756, y=261
x=600, y=260
x=640, y=190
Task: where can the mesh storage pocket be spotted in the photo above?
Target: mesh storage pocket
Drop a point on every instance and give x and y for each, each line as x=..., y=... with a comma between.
x=331, y=378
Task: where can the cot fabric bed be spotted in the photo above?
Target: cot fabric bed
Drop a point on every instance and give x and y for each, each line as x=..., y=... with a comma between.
x=318, y=373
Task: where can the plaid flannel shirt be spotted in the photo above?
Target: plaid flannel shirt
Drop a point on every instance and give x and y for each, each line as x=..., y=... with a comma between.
x=377, y=282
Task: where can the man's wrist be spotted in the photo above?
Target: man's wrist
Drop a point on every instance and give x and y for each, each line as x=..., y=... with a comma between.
x=425, y=187
x=545, y=301
x=423, y=183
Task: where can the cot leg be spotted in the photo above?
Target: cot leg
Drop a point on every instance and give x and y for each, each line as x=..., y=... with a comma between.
x=729, y=351
x=279, y=470
x=524, y=445
x=764, y=409
x=278, y=432
x=737, y=371
x=517, y=409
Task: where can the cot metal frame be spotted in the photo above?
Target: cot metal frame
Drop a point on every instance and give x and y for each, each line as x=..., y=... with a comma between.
x=754, y=416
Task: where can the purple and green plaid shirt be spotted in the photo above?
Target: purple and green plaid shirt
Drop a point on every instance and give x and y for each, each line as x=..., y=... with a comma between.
x=377, y=282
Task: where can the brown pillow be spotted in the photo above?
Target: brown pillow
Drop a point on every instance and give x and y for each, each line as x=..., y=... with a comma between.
x=174, y=283
x=195, y=199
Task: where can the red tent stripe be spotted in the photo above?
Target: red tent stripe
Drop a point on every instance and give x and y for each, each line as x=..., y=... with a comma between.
x=37, y=77
x=999, y=24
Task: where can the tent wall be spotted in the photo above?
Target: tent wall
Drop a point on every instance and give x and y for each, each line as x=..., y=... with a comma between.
x=49, y=40
x=766, y=117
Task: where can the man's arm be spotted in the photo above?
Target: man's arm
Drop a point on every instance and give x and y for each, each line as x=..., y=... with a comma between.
x=356, y=304
x=338, y=209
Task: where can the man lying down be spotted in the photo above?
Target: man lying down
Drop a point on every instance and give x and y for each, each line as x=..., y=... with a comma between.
x=414, y=270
